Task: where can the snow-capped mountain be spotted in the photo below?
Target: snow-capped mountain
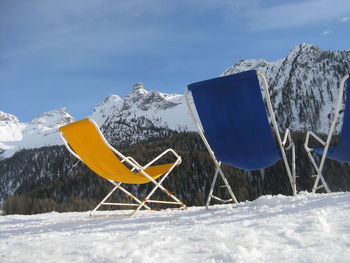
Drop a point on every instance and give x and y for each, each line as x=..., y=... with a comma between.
x=10, y=127
x=140, y=115
x=164, y=110
x=303, y=86
x=41, y=131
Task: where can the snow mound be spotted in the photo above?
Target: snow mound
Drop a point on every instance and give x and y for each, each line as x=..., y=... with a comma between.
x=305, y=228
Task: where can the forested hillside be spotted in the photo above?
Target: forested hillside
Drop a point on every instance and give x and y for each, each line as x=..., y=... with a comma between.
x=63, y=184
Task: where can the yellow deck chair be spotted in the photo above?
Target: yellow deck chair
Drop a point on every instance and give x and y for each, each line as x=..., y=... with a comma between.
x=85, y=141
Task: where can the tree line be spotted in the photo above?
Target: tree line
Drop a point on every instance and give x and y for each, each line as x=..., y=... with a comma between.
x=50, y=179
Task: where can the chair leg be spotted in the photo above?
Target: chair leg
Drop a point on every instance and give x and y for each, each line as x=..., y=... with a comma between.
x=323, y=184
x=159, y=185
x=294, y=172
x=118, y=186
x=318, y=176
x=147, y=199
x=212, y=187
x=105, y=198
x=227, y=185
x=290, y=172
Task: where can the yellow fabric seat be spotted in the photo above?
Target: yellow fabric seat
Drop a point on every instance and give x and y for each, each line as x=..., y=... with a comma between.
x=86, y=141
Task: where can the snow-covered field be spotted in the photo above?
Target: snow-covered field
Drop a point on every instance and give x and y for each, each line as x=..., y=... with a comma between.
x=306, y=228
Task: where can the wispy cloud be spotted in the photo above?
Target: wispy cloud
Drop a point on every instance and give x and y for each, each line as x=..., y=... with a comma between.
x=297, y=14
x=344, y=19
x=326, y=32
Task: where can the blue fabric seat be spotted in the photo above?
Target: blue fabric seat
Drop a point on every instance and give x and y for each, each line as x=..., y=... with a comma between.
x=341, y=152
x=232, y=112
x=235, y=128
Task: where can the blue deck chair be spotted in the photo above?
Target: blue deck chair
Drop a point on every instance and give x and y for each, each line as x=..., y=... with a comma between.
x=339, y=153
x=233, y=125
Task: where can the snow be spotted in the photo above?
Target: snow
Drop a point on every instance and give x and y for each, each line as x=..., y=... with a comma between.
x=305, y=228
x=41, y=131
x=112, y=104
x=10, y=127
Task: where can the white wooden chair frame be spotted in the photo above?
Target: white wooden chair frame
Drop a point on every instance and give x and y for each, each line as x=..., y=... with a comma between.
x=135, y=166
x=282, y=143
x=325, y=144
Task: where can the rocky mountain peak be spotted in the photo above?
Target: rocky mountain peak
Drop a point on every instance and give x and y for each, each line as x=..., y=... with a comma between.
x=304, y=46
x=145, y=100
x=109, y=103
x=303, y=86
x=111, y=99
x=138, y=92
x=139, y=88
x=108, y=107
x=6, y=117
x=53, y=118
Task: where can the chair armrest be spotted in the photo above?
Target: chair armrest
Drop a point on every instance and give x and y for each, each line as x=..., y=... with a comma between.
x=306, y=144
x=178, y=158
x=287, y=137
x=133, y=161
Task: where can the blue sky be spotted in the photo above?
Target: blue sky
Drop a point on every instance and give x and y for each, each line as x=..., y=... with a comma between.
x=74, y=53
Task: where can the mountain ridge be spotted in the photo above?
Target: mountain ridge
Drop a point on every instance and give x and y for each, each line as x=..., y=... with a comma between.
x=145, y=110
x=303, y=85
x=303, y=89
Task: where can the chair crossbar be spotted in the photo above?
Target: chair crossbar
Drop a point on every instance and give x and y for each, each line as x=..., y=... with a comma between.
x=120, y=204
x=320, y=187
x=163, y=202
x=222, y=200
x=210, y=195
